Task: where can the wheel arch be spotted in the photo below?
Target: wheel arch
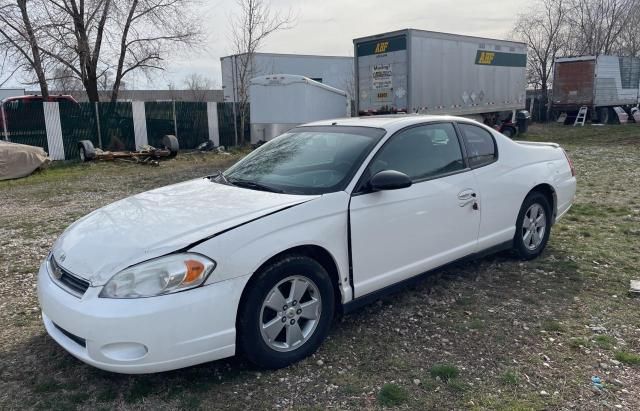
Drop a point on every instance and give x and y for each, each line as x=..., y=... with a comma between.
x=316, y=252
x=550, y=193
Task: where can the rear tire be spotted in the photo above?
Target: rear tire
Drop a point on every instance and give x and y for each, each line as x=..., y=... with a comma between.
x=87, y=151
x=299, y=320
x=533, y=226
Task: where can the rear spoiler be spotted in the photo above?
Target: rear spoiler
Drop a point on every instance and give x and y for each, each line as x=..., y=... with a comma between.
x=536, y=143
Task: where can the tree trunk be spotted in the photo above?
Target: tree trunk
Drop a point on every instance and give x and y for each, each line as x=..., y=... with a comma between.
x=91, y=86
x=545, y=100
x=37, y=61
x=243, y=119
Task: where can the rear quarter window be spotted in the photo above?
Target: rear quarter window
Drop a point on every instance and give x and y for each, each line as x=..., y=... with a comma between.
x=480, y=144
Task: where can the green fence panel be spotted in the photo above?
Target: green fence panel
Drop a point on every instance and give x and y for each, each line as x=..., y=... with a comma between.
x=25, y=123
x=78, y=122
x=225, y=124
x=116, y=126
x=191, y=118
x=159, y=119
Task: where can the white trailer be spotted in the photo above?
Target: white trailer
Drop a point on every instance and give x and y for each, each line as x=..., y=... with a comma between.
x=599, y=83
x=416, y=71
x=334, y=71
x=280, y=102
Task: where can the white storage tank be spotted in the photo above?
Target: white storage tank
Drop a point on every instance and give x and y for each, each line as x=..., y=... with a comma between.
x=279, y=102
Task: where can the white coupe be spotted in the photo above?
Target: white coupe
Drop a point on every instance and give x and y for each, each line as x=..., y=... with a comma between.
x=325, y=218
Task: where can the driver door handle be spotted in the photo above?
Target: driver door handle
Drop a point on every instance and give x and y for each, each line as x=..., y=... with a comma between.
x=467, y=197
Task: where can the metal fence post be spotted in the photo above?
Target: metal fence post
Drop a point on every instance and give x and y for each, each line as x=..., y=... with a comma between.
x=53, y=129
x=5, y=131
x=98, y=125
x=175, y=122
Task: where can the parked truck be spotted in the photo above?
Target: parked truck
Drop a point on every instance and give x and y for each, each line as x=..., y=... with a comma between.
x=600, y=83
x=417, y=71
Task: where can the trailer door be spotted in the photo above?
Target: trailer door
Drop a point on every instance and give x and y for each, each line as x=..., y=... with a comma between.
x=573, y=84
x=382, y=75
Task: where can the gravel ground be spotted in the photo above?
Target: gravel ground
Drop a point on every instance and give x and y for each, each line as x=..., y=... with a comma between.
x=496, y=333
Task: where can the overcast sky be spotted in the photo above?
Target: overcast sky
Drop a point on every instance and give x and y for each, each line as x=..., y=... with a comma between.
x=329, y=26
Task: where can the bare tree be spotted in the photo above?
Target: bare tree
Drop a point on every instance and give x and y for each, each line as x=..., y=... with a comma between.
x=19, y=39
x=628, y=40
x=64, y=81
x=199, y=85
x=542, y=29
x=98, y=42
x=252, y=25
x=150, y=29
x=597, y=24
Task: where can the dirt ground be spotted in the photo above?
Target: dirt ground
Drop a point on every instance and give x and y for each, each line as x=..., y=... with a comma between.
x=496, y=333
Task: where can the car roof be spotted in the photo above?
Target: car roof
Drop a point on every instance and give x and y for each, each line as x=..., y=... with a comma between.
x=393, y=121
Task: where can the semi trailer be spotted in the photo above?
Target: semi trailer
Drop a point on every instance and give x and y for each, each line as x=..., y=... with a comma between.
x=600, y=83
x=417, y=71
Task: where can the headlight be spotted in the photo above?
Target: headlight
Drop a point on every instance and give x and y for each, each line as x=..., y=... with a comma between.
x=164, y=275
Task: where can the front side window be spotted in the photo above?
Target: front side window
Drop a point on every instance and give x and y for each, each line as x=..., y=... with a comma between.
x=481, y=147
x=306, y=160
x=421, y=152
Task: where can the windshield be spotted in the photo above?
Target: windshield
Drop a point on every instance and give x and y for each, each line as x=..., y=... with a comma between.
x=305, y=160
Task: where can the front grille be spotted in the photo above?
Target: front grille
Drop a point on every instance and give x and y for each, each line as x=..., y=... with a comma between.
x=68, y=281
x=80, y=341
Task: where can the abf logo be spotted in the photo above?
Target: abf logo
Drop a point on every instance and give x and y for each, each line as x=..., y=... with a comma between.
x=486, y=57
x=382, y=47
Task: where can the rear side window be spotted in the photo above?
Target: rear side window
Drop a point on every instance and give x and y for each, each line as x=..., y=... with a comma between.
x=422, y=152
x=481, y=147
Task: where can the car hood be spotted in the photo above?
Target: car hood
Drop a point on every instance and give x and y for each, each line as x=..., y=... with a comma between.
x=158, y=222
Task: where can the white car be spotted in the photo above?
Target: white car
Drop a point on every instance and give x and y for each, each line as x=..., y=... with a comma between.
x=325, y=218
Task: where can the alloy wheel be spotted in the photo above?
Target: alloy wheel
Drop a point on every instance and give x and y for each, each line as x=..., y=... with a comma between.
x=290, y=313
x=534, y=226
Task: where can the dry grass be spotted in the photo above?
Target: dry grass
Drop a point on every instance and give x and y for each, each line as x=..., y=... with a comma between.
x=520, y=335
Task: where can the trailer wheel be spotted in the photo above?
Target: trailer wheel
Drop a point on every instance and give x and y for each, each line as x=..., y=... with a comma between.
x=509, y=132
x=87, y=150
x=603, y=115
x=171, y=143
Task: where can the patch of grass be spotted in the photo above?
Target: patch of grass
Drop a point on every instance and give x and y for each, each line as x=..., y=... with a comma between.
x=107, y=394
x=446, y=372
x=79, y=398
x=510, y=378
x=606, y=342
x=552, y=326
x=578, y=342
x=50, y=385
x=392, y=395
x=140, y=388
x=190, y=402
x=476, y=324
x=628, y=357
x=456, y=385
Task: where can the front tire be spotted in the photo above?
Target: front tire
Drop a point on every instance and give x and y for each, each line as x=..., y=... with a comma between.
x=533, y=226
x=286, y=312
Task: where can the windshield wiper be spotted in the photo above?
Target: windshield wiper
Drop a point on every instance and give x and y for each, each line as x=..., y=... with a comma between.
x=219, y=177
x=254, y=186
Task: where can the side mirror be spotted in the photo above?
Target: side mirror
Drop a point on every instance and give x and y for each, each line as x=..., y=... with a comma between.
x=389, y=180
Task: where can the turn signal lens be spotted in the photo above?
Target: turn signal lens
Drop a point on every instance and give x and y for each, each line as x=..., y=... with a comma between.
x=195, y=269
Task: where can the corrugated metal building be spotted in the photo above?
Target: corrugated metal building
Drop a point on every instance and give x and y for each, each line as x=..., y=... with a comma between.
x=334, y=71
